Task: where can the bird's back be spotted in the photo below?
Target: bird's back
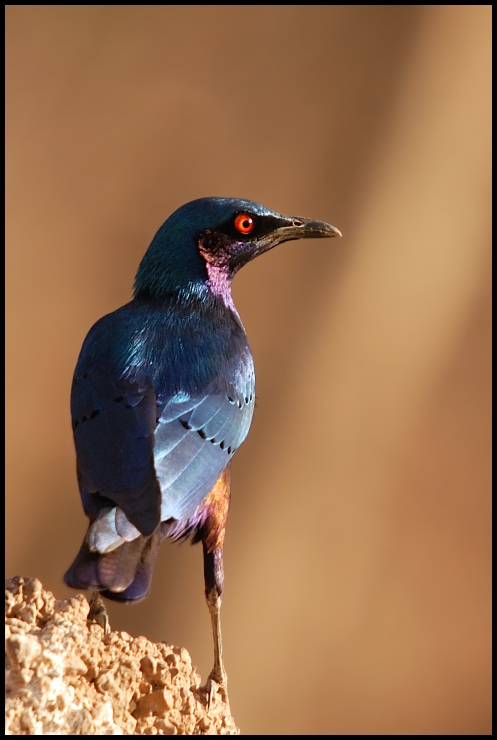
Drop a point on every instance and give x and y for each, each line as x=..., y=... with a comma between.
x=163, y=395
x=164, y=391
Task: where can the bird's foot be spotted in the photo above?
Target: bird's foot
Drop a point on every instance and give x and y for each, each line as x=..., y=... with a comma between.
x=217, y=683
x=98, y=612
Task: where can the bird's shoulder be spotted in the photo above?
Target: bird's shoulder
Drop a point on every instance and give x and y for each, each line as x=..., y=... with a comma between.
x=160, y=343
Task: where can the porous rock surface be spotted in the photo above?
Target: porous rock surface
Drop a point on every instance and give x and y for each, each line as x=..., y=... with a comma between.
x=64, y=677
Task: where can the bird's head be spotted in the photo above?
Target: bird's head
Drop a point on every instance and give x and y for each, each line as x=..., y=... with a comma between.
x=205, y=242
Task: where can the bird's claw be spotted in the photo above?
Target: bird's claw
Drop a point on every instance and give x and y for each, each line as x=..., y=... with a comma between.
x=216, y=684
x=98, y=612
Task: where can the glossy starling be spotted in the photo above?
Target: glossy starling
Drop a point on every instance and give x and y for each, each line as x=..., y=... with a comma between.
x=162, y=397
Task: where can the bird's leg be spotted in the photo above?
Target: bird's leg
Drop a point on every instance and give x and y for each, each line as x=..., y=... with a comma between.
x=212, y=533
x=98, y=612
x=214, y=587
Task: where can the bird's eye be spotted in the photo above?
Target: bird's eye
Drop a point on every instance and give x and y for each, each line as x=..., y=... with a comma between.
x=244, y=223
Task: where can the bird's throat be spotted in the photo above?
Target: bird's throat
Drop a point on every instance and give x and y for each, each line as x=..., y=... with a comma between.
x=219, y=273
x=219, y=283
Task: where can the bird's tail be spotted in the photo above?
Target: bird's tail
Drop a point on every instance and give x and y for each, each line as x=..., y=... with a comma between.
x=123, y=575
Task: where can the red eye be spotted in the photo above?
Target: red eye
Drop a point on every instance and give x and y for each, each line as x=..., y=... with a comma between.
x=244, y=224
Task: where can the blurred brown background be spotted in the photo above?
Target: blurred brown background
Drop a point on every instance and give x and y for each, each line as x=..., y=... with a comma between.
x=358, y=546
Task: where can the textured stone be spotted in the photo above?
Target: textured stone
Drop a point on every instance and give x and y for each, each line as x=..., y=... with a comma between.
x=64, y=677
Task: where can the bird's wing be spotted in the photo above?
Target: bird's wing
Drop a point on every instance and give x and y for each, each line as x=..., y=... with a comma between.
x=155, y=457
x=114, y=423
x=195, y=439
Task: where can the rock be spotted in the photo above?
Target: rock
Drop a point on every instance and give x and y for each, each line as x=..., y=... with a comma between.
x=64, y=677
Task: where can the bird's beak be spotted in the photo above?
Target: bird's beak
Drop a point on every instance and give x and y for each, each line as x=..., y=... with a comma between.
x=305, y=228
x=290, y=228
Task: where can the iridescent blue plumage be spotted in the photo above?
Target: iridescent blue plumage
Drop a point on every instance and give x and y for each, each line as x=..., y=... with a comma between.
x=146, y=373
x=163, y=395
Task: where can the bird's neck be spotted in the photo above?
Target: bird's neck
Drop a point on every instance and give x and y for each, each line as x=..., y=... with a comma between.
x=219, y=284
x=212, y=295
x=184, y=274
x=214, y=290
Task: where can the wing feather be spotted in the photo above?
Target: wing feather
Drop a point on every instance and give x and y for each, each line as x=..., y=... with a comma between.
x=149, y=440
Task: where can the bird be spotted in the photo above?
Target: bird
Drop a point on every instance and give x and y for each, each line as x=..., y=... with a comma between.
x=163, y=396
